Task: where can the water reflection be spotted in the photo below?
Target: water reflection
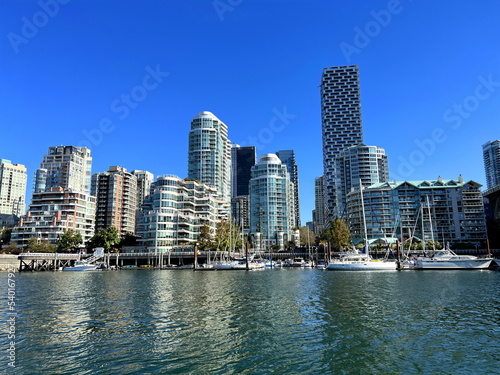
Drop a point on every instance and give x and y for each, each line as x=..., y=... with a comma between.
x=273, y=321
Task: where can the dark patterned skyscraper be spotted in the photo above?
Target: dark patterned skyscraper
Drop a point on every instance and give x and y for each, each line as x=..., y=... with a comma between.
x=341, y=122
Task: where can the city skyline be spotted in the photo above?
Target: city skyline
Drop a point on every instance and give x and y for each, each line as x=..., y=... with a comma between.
x=126, y=80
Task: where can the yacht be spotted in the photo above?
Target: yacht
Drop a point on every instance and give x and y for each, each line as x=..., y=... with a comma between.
x=446, y=259
x=81, y=265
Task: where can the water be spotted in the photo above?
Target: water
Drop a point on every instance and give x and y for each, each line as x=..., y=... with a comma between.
x=272, y=321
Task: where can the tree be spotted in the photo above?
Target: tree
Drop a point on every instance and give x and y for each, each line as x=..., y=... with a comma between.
x=307, y=237
x=338, y=234
x=70, y=239
x=205, y=241
x=106, y=238
x=39, y=247
x=5, y=236
x=129, y=239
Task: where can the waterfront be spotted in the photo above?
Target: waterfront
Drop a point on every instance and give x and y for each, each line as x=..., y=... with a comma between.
x=261, y=322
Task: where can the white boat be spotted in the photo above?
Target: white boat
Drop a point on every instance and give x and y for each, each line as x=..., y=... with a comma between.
x=355, y=261
x=81, y=265
x=360, y=262
x=446, y=259
x=321, y=266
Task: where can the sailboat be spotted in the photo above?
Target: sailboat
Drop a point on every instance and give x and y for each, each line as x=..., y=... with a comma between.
x=355, y=261
x=446, y=259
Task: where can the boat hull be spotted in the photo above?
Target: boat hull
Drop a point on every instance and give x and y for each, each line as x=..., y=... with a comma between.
x=362, y=266
x=450, y=264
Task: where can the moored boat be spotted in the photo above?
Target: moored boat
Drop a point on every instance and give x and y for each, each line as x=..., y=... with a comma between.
x=81, y=265
x=446, y=259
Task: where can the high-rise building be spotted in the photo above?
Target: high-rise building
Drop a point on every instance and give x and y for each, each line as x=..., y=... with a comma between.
x=287, y=157
x=175, y=213
x=116, y=194
x=61, y=199
x=319, y=212
x=68, y=167
x=355, y=165
x=272, y=205
x=442, y=210
x=242, y=160
x=12, y=188
x=341, y=122
x=491, y=157
x=144, y=181
x=209, y=154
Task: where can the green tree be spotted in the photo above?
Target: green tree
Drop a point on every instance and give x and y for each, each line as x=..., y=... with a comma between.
x=39, y=247
x=205, y=241
x=129, y=239
x=307, y=237
x=5, y=236
x=106, y=238
x=70, y=239
x=338, y=234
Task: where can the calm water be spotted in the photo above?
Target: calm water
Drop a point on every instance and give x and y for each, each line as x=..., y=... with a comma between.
x=262, y=322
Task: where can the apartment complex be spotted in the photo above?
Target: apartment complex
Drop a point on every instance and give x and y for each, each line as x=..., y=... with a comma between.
x=447, y=211
x=144, y=181
x=53, y=212
x=61, y=199
x=491, y=158
x=319, y=212
x=287, y=157
x=272, y=215
x=172, y=216
x=12, y=188
x=357, y=166
x=209, y=154
x=341, y=123
x=116, y=199
x=65, y=166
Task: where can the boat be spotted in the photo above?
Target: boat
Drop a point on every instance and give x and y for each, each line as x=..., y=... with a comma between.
x=446, y=259
x=81, y=265
x=321, y=265
x=297, y=262
x=356, y=261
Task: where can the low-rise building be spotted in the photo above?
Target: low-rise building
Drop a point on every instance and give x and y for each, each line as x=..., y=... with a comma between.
x=447, y=211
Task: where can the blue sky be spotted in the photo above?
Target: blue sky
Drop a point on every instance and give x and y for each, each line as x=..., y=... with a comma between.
x=126, y=77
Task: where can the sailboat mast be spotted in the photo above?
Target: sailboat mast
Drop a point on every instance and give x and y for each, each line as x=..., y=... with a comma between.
x=430, y=223
x=365, y=233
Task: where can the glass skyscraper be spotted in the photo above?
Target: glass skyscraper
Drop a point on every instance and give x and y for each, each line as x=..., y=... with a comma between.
x=287, y=157
x=209, y=154
x=271, y=203
x=491, y=157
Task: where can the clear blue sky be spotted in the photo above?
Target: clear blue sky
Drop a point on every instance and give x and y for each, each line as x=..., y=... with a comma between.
x=126, y=77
